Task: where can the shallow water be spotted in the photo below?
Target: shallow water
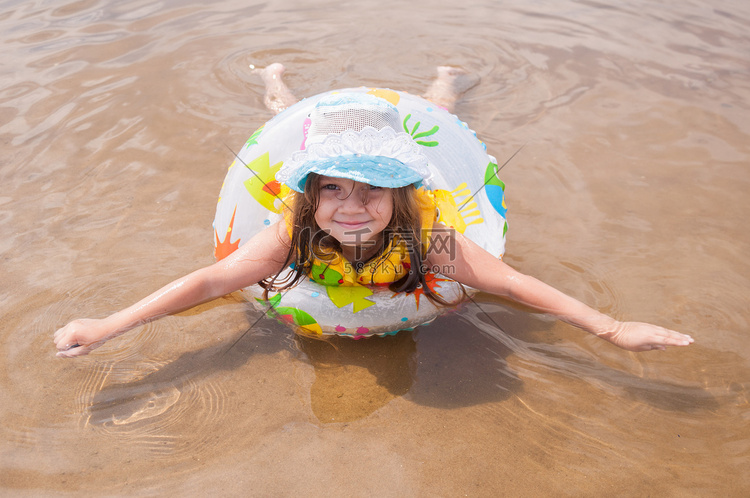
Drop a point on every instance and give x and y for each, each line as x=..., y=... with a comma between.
x=117, y=121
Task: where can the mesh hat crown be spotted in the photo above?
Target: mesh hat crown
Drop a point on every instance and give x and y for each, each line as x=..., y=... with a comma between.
x=354, y=136
x=341, y=112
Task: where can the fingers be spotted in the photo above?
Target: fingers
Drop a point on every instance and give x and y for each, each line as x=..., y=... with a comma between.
x=62, y=343
x=679, y=341
x=80, y=337
x=673, y=338
x=60, y=332
x=77, y=351
x=68, y=341
x=666, y=337
x=635, y=336
x=68, y=346
x=74, y=351
x=64, y=339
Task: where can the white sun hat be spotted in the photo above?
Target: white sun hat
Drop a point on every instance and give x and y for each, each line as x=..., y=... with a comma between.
x=356, y=136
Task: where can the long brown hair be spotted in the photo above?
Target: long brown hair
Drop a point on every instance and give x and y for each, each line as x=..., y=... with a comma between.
x=310, y=242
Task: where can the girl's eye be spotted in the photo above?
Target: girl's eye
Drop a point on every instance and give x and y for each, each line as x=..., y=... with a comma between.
x=330, y=186
x=373, y=187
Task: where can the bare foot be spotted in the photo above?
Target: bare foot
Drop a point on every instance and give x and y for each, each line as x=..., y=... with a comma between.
x=451, y=83
x=277, y=97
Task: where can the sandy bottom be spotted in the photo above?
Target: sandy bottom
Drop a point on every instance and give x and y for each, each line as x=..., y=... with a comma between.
x=117, y=121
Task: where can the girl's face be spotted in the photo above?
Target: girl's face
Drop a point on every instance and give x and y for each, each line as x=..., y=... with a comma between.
x=353, y=213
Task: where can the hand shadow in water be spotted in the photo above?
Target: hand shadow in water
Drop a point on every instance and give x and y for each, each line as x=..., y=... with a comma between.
x=458, y=360
x=463, y=363
x=457, y=366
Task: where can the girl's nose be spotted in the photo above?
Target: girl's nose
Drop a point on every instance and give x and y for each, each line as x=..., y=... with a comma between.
x=356, y=198
x=355, y=201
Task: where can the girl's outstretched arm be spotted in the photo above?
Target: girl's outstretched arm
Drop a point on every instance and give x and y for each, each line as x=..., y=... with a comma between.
x=262, y=256
x=473, y=266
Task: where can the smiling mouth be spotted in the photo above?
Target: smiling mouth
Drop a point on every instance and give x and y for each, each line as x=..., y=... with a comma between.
x=352, y=225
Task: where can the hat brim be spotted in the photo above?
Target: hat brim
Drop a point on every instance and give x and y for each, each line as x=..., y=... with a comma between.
x=379, y=171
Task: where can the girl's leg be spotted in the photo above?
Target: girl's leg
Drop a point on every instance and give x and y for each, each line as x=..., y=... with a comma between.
x=451, y=83
x=278, y=97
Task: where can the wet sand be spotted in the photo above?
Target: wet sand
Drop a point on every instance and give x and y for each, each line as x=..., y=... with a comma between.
x=117, y=122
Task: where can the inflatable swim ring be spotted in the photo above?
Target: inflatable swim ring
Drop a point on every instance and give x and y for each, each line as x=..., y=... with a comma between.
x=469, y=196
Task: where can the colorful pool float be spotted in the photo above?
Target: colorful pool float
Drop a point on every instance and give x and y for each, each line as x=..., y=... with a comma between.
x=469, y=196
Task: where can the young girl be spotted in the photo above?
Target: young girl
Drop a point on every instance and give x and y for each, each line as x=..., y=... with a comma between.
x=365, y=214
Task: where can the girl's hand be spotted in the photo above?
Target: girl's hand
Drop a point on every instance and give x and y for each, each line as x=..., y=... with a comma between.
x=80, y=337
x=636, y=336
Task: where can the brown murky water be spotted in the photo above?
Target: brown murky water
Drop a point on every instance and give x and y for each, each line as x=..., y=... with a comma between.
x=116, y=120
